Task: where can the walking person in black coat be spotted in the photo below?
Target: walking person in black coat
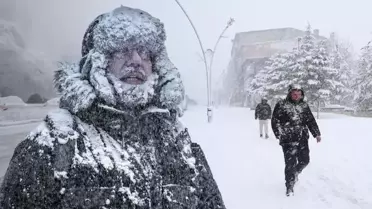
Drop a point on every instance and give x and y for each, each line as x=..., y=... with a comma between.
x=263, y=113
x=292, y=119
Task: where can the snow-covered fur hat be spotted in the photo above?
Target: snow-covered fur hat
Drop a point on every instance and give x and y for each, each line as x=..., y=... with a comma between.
x=294, y=87
x=80, y=85
x=124, y=28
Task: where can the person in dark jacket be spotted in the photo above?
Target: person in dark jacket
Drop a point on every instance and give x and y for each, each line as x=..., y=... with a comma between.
x=263, y=114
x=116, y=141
x=292, y=119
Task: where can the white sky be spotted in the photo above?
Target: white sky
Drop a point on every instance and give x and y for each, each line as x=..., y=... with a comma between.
x=58, y=26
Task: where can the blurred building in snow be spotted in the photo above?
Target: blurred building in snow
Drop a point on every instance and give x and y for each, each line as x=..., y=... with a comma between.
x=249, y=53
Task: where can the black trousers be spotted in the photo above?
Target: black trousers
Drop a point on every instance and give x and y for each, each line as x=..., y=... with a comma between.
x=296, y=157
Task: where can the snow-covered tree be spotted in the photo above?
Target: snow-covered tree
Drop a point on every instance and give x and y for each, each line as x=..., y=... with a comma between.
x=305, y=71
x=363, y=98
x=273, y=80
x=313, y=69
x=342, y=60
x=311, y=65
x=322, y=79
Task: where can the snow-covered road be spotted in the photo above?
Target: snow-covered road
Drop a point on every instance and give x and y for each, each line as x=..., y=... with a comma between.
x=250, y=170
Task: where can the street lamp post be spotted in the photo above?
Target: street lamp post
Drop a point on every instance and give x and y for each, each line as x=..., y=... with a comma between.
x=209, y=109
x=229, y=24
x=208, y=69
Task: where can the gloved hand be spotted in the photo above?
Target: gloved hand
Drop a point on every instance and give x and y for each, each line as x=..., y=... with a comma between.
x=318, y=139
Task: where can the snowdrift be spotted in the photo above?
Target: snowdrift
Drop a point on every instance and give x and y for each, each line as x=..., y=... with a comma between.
x=11, y=101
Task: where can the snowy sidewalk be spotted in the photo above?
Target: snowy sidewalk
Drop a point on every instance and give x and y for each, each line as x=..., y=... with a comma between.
x=250, y=170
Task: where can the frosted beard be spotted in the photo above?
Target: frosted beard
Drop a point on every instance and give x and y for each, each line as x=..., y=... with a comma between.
x=130, y=96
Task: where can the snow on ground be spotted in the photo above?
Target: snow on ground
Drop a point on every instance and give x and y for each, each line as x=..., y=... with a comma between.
x=22, y=113
x=250, y=170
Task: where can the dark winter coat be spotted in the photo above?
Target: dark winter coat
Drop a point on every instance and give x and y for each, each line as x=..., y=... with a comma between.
x=263, y=111
x=291, y=121
x=92, y=153
x=68, y=163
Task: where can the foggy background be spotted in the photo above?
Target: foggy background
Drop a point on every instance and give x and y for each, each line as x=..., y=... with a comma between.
x=52, y=30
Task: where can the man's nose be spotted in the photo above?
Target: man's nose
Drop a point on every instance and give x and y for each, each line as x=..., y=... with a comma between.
x=136, y=58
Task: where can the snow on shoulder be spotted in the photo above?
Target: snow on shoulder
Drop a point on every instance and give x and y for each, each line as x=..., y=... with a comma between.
x=57, y=126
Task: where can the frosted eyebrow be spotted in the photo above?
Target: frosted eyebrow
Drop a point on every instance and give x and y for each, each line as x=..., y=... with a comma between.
x=121, y=54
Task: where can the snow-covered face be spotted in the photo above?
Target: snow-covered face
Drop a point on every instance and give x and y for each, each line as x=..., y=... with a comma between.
x=131, y=66
x=132, y=77
x=296, y=95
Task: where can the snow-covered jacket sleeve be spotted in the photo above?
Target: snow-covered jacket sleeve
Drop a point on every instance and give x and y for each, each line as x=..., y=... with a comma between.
x=209, y=194
x=275, y=120
x=29, y=180
x=311, y=122
x=257, y=110
x=206, y=189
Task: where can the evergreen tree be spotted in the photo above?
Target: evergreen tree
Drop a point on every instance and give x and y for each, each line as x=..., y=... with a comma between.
x=313, y=69
x=363, y=98
x=341, y=60
x=273, y=80
x=304, y=70
x=324, y=80
x=310, y=65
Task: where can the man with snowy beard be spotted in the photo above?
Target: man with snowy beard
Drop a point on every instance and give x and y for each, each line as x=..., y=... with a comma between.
x=291, y=121
x=116, y=141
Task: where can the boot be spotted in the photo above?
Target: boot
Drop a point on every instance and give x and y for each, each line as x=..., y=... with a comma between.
x=290, y=186
x=261, y=135
x=267, y=136
x=289, y=192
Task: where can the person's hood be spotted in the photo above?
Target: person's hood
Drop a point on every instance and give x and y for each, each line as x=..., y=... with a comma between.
x=295, y=87
x=81, y=85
